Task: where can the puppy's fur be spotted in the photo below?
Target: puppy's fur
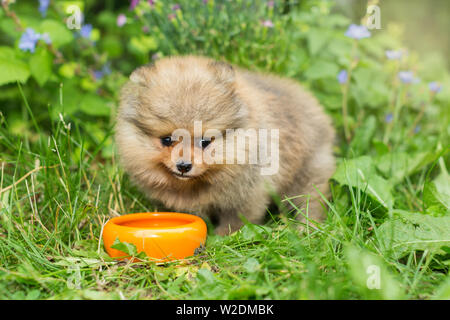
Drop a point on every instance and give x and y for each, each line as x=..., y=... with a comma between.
x=177, y=91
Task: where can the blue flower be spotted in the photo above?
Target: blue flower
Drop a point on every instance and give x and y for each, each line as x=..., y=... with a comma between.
x=435, y=87
x=357, y=32
x=43, y=6
x=388, y=118
x=417, y=129
x=106, y=68
x=394, y=55
x=28, y=40
x=46, y=38
x=86, y=30
x=407, y=77
x=342, y=77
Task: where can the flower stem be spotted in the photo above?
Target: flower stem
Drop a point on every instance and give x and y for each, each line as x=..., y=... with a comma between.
x=345, y=112
x=345, y=89
x=397, y=108
x=417, y=120
x=13, y=16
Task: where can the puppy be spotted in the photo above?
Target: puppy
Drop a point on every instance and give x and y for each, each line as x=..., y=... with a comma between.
x=180, y=92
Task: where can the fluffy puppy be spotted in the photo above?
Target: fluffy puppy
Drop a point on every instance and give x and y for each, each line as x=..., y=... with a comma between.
x=178, y=91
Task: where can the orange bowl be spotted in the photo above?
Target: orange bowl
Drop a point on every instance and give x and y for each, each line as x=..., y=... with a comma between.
x=161, y=235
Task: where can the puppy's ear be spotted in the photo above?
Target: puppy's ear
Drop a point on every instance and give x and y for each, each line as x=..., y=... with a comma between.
x=142, y=74
x=223, y=71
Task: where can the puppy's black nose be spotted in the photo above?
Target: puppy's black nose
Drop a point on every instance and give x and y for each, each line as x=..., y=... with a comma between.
x=184, y=167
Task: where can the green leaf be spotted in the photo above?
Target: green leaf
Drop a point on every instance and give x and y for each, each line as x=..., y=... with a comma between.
x=380, y=147
x=206, y=276
x=407, y=232
x=112, y=45
x=398, y=165
x=94, y=105
x=369, y=87
x=125, y=247
x=7, y=53
x=317, y=39
x=163, y=274
x=371, y=275
x=12, y=71
x=67, y=70
x=360, y=173
x=251, y=265
x=322, y=69
x=41, y=66
x=142, y=45
x=443, y=292
x=58, y=32
x=436, y=195
x=364, y=134
x=252, y=232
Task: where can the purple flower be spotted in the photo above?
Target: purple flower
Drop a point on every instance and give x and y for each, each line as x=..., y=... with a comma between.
x=133, y=4
x=176, y=7
x=28, y=40
x=407, y=77
x=357, y=32
x=435, y=87
x=43, y=6
x=121, y=20
x=388, y=118
x=98, y=74
x=394, y=55
x=270, y=4
x=342, y=77
x=86, y=30
x=267, y=23
x=151, y=3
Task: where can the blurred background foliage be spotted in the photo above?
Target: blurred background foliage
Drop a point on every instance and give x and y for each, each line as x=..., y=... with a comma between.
x=81, y=71
x=423, y=24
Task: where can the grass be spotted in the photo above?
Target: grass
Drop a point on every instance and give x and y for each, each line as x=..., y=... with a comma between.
x=57, y=190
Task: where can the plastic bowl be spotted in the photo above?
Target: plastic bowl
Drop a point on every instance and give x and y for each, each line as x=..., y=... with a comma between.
x=161, y=235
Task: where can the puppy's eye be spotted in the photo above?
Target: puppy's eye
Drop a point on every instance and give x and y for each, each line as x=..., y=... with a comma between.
x=166, y=141
x=204, y=143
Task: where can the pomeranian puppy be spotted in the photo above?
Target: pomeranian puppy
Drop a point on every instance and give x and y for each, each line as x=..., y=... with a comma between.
x=180, y=92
